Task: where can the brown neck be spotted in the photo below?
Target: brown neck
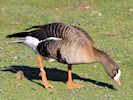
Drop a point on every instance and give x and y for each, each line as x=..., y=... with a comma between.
x=104, y=59
x=109, y=65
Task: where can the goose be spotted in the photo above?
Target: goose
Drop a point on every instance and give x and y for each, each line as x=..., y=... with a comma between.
x=66, y=44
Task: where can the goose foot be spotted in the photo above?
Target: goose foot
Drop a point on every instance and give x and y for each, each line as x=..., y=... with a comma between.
x=44, y=80
x=73, y=86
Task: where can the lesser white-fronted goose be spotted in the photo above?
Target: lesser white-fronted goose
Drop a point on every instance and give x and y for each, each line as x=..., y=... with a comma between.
x=68, y=45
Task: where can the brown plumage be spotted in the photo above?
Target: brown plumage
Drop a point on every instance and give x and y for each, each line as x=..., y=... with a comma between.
x=69, y=45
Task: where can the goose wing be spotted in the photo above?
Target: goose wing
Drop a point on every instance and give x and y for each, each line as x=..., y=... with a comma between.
x=57, y=30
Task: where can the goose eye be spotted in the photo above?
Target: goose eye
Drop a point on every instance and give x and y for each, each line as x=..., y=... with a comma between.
x=115, y=72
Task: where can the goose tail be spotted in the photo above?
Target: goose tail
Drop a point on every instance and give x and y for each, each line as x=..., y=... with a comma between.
x=20, y=34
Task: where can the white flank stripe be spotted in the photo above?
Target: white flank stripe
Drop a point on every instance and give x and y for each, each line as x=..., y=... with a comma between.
x=51, y=38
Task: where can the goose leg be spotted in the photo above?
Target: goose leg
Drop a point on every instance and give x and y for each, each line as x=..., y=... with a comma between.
x=43, y=74
x=70, y=84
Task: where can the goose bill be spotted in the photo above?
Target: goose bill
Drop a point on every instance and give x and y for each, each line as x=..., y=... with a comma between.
x=117, y=77
x=118, y=82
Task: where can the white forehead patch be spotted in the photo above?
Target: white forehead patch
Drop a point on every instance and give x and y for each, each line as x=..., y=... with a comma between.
x=117, y=76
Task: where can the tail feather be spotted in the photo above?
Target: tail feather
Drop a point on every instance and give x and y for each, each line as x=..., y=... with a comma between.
x=41, y=26
x=37, y=26
x=21, y=34
x=17, y=41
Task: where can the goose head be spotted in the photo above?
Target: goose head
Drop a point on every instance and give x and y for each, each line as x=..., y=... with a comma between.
x=114, y=72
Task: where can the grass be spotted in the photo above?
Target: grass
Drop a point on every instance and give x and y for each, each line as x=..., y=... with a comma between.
x=109, y=23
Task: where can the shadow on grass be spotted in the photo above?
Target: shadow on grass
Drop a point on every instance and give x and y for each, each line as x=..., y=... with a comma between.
x=53, y=74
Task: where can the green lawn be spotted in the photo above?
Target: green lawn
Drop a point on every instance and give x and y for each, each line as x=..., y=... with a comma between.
x=108, y=22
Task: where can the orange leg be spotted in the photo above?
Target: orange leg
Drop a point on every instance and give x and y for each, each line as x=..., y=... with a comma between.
x=70, y=84
x=43, y=74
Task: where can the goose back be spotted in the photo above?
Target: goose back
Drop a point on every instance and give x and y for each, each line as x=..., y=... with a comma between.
x=59, y=30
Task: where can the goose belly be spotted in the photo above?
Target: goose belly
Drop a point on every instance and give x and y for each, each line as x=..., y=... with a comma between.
x=77, y=56
x=76, y=59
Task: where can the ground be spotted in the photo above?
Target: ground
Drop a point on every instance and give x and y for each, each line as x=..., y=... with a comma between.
x=109, y=23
